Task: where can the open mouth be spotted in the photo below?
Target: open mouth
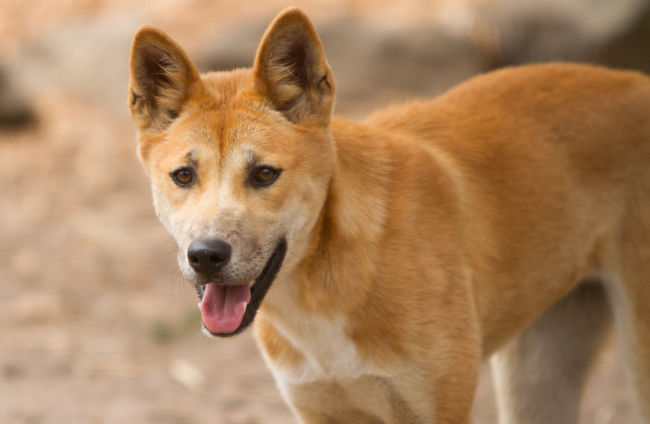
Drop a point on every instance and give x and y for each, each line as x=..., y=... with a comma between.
x=229, y=309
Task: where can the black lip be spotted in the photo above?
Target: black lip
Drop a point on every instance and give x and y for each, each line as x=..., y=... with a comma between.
x=258, y=289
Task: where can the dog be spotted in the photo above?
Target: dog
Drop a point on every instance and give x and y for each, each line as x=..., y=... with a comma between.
x=380, y=262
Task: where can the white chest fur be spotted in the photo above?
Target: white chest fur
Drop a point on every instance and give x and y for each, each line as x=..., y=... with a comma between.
x=323, y=342
x=328, y=351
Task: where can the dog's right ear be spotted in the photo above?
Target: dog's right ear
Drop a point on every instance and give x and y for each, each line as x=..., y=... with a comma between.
x=161, y=79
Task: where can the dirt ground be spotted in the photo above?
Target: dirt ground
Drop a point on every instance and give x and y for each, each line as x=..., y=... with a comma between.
x=96, y=324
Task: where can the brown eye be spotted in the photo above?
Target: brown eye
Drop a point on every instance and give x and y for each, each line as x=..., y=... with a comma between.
x=182, y=177
x=265, y=175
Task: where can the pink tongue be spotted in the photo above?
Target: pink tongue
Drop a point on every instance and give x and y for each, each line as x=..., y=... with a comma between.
x=222, y=307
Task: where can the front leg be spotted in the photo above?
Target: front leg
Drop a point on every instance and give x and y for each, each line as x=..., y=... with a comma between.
x=307, y=416
x=327, y=403
x=360, y=401
x=376, y=400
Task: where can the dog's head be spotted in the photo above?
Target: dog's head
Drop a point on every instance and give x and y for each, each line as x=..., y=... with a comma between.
x=239, y=162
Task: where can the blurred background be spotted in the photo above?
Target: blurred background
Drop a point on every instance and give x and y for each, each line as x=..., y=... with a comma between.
x=96, y=325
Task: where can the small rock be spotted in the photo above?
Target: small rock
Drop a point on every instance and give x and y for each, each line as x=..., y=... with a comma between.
x=15, y=111
x=186, y=374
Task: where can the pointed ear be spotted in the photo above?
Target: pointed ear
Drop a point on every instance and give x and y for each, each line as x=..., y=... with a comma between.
x=291, y=71
x=161, y=79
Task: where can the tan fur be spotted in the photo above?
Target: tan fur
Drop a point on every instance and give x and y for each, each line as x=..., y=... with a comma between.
x=421, y=240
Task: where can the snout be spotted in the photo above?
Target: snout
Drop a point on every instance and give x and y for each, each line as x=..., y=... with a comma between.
x=208, y=257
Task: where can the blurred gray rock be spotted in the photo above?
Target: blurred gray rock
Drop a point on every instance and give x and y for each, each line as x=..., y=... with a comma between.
x=630, y=49
x=424, y=61
x=547, y=30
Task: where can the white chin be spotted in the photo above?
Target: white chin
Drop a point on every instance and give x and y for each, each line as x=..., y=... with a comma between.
x=207, y=333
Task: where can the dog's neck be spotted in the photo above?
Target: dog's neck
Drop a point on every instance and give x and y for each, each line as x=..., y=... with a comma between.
x=336, y=269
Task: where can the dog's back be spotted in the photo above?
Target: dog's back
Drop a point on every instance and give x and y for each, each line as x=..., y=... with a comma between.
x=540, y=155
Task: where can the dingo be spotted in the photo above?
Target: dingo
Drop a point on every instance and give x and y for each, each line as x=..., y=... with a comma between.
x=508, y=218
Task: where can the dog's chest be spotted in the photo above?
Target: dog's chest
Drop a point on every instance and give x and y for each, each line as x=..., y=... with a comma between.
x=327, y=351
x=331, y=372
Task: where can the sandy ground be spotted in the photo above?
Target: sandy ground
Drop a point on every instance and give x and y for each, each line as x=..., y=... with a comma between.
x=96, y=325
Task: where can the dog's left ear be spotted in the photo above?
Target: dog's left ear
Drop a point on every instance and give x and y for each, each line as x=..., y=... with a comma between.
x=291, y=71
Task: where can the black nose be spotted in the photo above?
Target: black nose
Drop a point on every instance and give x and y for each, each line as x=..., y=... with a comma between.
x=208, y=256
